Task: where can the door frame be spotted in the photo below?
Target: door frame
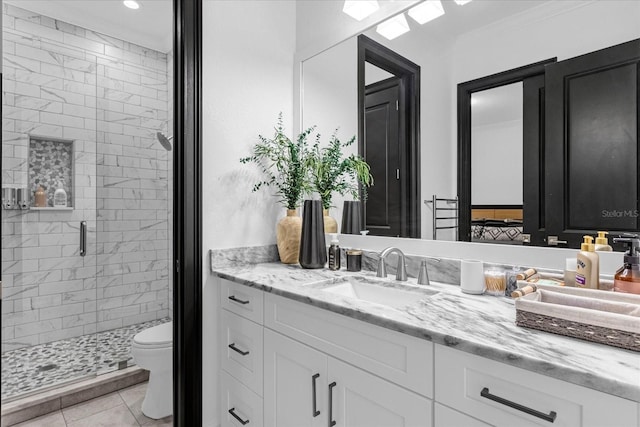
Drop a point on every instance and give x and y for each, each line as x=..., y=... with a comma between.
x=187, y=221
x=465, y=90
x=409, y=74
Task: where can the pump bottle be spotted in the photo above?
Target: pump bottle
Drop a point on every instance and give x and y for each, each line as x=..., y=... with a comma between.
x=602, y=243
x=627, y=278
x=588, y=268
x=334, y=253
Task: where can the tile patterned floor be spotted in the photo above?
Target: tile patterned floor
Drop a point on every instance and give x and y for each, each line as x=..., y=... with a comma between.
x=119, y=409
x=29, y=369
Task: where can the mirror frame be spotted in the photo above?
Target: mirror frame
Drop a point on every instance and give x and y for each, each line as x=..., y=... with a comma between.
x=465, y=90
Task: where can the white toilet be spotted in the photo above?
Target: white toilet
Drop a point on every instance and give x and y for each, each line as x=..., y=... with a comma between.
x=152, y=349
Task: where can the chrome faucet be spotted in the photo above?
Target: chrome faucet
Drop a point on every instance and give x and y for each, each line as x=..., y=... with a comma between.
x=401, y=272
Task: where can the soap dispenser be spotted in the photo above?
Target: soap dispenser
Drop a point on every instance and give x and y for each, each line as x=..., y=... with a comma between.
x=334, y=253
x=602, y=243
x=627, y=278
x=588, y=268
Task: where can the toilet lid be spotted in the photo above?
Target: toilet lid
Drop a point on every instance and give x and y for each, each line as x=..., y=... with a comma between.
x=157, y=335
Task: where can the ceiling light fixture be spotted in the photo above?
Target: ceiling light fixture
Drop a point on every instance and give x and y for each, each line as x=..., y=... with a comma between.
x=131, y=4
x=461, y=2
x=427, y=11
x=360, y=9
x=393, y=27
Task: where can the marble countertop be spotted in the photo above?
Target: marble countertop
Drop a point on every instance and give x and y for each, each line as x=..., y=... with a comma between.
x=479, y=324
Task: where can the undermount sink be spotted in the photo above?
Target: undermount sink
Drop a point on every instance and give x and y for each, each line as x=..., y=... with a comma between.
x=392, y=294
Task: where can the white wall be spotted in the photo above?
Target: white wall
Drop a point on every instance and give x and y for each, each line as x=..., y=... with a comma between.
x=331, y=91
x=496, y=163
x=248, y=73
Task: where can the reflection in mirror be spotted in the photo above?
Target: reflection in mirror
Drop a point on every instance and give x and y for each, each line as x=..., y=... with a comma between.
x=469, y=42
x=330, y=93
x=388, y=102
x=496, y=163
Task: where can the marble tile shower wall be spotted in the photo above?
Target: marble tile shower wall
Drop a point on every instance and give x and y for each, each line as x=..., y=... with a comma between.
x=111, y=97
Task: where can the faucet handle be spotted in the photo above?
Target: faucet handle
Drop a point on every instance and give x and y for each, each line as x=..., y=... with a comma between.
x=423, y=274
x=382, y=268
x=401, y=272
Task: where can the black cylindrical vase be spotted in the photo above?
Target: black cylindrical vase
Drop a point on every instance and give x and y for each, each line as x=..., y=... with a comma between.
x=351, y=217
x=313, y=250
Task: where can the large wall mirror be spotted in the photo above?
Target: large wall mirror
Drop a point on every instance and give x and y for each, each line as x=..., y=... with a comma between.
x=470, y=42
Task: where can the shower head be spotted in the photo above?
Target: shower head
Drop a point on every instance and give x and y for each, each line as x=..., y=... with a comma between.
x=164, y=141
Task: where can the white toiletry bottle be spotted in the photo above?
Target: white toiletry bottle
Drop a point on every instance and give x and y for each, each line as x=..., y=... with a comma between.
x=60, y=197
x=602, y=243
x=588, y=268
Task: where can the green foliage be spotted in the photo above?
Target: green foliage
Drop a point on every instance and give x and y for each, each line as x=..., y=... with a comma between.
x=330, y=172
x=282, y=163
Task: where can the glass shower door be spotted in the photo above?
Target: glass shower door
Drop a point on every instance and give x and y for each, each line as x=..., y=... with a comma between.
x=49, y=246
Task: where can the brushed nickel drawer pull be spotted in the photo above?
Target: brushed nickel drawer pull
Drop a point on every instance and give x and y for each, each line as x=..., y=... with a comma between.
x=551, y=416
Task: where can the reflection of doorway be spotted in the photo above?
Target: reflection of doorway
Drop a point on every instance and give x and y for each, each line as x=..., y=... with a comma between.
x=381, y=151
x=532, y=140
x=393, y=203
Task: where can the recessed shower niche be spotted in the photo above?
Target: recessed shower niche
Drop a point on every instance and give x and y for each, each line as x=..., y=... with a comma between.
x=51, y=173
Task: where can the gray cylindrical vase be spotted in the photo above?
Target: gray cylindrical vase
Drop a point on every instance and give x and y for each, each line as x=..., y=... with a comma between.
x=313, y=251
x=351, y=217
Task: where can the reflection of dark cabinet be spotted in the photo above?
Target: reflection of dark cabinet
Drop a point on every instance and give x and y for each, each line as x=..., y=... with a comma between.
x=533, y=163
x=591, y=150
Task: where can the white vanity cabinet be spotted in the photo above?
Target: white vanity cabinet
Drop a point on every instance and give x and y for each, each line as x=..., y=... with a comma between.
x=289, y=364
x=503, y=395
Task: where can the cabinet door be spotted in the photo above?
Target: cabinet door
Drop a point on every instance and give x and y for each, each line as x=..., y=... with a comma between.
x=359, y=399
x=295, y=383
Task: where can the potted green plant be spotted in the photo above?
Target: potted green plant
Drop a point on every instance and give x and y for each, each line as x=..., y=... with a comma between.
x=331, y=172
x=281, y=161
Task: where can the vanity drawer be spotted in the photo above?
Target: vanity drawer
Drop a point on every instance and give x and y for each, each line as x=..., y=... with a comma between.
x=238, y=401
x=394, y=356
x=242, y=300
x=503, y=395
x=242, y=350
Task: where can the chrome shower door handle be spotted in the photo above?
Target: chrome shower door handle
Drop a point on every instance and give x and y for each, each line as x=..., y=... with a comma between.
x=83, y=238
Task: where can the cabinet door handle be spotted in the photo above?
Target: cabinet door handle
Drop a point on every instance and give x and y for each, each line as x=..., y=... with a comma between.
x=239, y=301
x=232, y=411
x=233, y=347
x=331, y=421
x=551, y=416
x=315, y=411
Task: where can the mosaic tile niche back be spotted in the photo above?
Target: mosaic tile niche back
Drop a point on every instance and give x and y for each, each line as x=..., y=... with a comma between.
x=51, y=167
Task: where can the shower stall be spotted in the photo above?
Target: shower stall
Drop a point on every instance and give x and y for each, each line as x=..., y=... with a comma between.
x=86, y=199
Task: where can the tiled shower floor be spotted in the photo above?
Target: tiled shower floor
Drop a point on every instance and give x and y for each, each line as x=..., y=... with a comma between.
x=28, y=369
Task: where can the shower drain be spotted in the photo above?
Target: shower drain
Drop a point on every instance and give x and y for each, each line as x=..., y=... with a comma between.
x=48, y=367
